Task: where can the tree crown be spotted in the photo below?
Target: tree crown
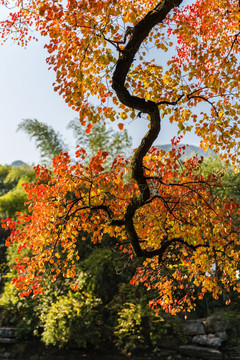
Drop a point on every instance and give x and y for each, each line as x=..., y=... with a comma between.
x=119, y=54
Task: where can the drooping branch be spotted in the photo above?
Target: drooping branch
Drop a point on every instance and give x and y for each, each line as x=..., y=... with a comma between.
x=126, y=58
x=173, y=241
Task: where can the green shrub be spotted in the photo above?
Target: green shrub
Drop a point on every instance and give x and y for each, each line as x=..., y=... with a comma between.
x=20, y=312
x=139, y=328
x=73, y=318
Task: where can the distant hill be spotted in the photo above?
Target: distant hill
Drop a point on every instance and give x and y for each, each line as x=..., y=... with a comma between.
x=17, y=163
x=190, y=151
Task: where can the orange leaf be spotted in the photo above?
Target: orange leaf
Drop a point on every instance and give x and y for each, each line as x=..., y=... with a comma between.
x=88, y=130
x=121, y=126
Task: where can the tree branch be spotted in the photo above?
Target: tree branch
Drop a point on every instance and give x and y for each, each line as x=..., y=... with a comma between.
x=126, y=58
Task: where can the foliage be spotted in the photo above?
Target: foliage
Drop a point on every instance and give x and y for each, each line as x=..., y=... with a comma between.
x=72, y=317
x=139, y=329
x=129, y=331
x=48, y=141
x=65, y=199
x=167, y=214
x=11, y=201
x=95, y=35
x=101, y=279
x=96, y=277
x=16, y=311
x=65, y=318
x=5, y=186
x=101, y=137
x=17, y=175
x=60, y=315
x=12, y=195
x=230, y=186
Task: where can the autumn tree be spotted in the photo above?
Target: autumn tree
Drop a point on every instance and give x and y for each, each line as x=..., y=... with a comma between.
x=162, y=61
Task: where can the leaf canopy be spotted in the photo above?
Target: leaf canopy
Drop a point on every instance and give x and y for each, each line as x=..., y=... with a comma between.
x=160, y=60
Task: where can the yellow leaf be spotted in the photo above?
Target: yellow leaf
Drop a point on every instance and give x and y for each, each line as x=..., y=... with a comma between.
x=123, y=115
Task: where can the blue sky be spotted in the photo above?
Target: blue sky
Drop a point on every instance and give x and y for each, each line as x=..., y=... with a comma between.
x=26, y=92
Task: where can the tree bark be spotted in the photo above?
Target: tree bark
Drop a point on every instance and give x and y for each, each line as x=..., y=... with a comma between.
x=126, y=58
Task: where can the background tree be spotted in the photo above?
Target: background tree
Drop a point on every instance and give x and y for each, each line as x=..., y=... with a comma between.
x=5, y=185
x=104, y=50
x=230, y=186
x=13, y=196
x=47, y=140
x=102, y=137
x=12, y=201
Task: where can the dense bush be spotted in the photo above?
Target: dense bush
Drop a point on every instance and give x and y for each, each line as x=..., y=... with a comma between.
x=139, y=328
x=73, y=319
